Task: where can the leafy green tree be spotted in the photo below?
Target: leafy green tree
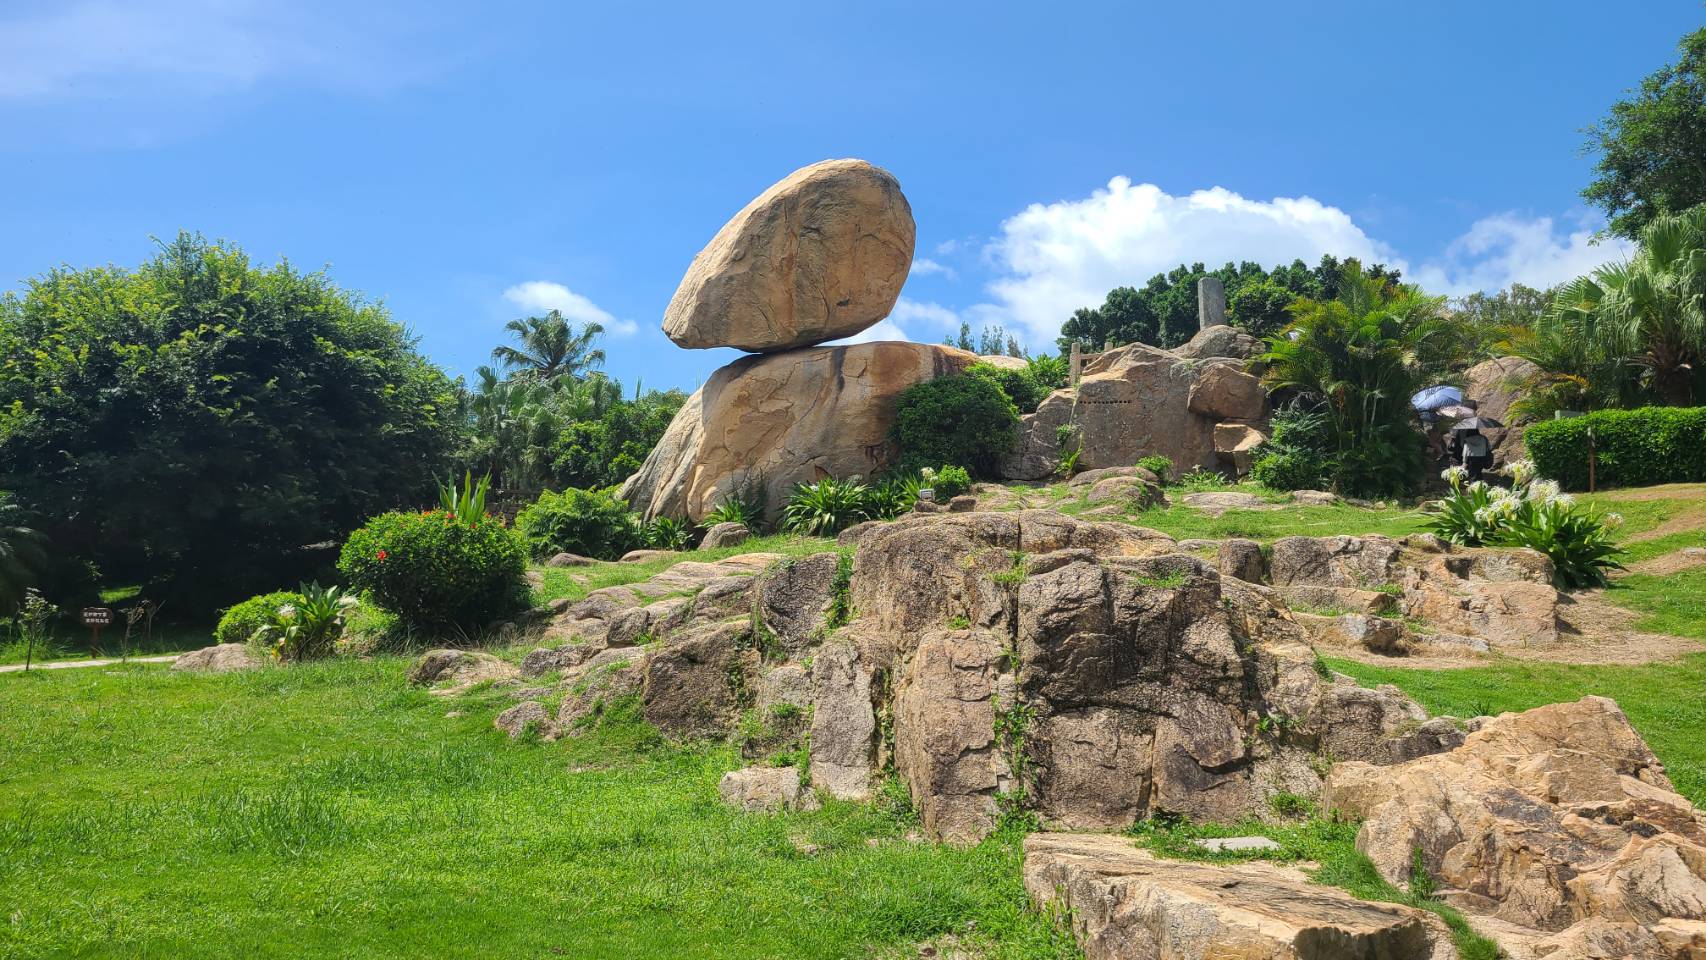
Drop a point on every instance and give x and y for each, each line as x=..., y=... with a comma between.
x=1260, y=308
x=605, y=450
x=1652, y=144
x=1359, y=358
x=22, y=555
x=550, y=347
x=191, y=424
x=1648, y=313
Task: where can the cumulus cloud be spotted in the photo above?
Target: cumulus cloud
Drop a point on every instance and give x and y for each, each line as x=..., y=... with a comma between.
x=924, y=266
x=1507, y=248
x=1054, y=258
x=1051, y=259
x=542, y=295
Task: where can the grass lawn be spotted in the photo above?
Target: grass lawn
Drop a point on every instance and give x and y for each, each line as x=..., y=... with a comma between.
x=577, y=582
x=333, y=811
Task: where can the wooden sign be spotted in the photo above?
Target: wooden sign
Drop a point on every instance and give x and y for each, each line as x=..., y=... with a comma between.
x=97, y=616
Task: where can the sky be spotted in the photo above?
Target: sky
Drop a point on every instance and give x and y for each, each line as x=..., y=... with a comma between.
x=468, y=164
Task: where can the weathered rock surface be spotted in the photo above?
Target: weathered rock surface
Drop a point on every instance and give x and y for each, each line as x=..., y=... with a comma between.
x=1127, y=904
x=1235, y=444
x=729, y=534
x=761, y=789
x=219, y=658
x=1494, y=386
x=1546, y=819
x=1136, y=401
x=459, y=668
x=795, y=596
x=569, y=560
x=820, y=255
x=1221, y=341
x=529, y=715
x=783, y=419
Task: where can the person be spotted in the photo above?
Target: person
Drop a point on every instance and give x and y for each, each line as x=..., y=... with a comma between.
x=1473, y=452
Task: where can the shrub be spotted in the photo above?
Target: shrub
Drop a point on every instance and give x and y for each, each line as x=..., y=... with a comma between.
x=437, y=574
x=825, y=508
x=947, y=483
x=1631, y=447
x=892, y=497
x=1533, y=514
x=1161, y=466
x=667, y=533
x=1021, y=386
x=1291, y=468
x=592, y=523
x=1050, y=370
x=743, y=505
x=309, y=628
x=239, y=623
x=966, y=420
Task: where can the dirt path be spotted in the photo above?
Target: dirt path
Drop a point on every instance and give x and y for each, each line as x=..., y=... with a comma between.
x=71, y=664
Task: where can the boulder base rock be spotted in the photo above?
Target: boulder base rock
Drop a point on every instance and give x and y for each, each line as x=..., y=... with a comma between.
x=460, y=668
x=219, y=658
x=1127, y=904
x=820, y=255
x=783, y=419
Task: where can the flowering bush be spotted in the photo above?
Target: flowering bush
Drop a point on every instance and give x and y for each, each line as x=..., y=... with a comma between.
x=1533, y=513
x=239, y=623
x=308, y=628
x=437, y=573
x=946, y=483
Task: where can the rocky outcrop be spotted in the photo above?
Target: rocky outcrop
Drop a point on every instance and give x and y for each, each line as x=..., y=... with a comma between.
x=820, y=255
x=1495, y=385
x=219, y=658
x=1545, y=820
x=1127, y=904
x=774, y=421
x=454, y=670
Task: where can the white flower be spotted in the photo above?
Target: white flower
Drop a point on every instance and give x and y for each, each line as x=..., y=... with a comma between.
x=1562, y=500
x=928, y=473
x=1453, y=475
x=1484, y=515
x=1612, y=520
x=1478, y=486
x=1520, y=471
x=287, y=611
x=1543, y=490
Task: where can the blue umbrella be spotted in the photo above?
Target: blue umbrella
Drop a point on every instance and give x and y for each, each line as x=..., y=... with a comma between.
x=1435, y=397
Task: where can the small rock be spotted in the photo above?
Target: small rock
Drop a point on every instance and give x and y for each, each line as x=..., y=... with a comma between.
x=962, y=504
x=522, y=717
x=1313, y=498
x=453, y=715
x=641, y=556
x=1243, y=560
x=756, y=789
x=219, y=658
x=805, y=847
x=569, y=560
x=725, y=535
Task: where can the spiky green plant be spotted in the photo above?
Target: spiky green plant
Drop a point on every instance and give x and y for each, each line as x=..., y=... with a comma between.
x=826, y=507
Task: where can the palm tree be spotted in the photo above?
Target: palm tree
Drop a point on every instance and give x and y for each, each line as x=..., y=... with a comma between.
x=1649, y=312
x=550, y=347
x=514, y=423
x=21, y=554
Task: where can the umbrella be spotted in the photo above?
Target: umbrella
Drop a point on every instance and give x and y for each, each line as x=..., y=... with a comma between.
x=1455, y=411
x=1435, y=397
x=1476, y=423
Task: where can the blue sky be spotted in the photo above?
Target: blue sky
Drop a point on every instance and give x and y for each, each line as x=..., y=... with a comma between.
x=469, y=163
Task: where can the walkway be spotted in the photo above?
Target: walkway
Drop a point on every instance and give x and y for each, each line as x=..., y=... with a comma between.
x=68, y=664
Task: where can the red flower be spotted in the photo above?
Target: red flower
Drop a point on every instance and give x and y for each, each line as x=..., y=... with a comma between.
x=383, y=554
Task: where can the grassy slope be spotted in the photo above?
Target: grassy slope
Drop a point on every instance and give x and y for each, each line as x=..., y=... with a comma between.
x=331, y=811
x=577, y=582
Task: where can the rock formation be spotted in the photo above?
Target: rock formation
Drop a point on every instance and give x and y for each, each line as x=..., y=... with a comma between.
x=1557, y=824
x=1137, y=400
x=784, y=418
x=1494, y=386
x=219, y=658
x=820, y=255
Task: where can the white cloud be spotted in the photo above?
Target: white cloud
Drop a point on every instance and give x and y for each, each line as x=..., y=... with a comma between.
x=924, y=266
x=1057, y=257
x=1507, y=248
x=113, y=48
x=542, y=295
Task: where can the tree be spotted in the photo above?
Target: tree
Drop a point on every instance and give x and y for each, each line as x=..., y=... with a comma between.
x=21, y=555
x=1652, y=146
x=550, y=347
x=1359, y=358
x=192, y=424
x=1260, y=308
x=1649, y=312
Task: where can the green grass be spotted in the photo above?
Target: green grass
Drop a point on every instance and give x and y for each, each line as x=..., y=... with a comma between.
x=1675, y=604
x=1663, y=700
x=1181, y=522
x=68, y=642
x=576, y=582
x=1331, y=849
x=330, y=810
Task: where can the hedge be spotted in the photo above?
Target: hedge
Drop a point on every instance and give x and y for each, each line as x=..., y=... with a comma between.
x=1632, y=448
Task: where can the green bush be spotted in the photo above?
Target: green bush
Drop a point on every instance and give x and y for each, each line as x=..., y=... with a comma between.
x=1050, y=370
x=1632, y=448
x=947, y=483
x=827, y=507
x=592, y=523
x=967, y=420
x=1161, y=466
x=239, y=623
x=1291, y=468
x=436, y=574
x=1021, y=386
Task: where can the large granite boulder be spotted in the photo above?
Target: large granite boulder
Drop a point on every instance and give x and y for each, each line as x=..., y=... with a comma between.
x=1495, y=385
x=819, y=256
x=1128, y=904
x=1543, y=820
x=782, y=419
x=1137, y=401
